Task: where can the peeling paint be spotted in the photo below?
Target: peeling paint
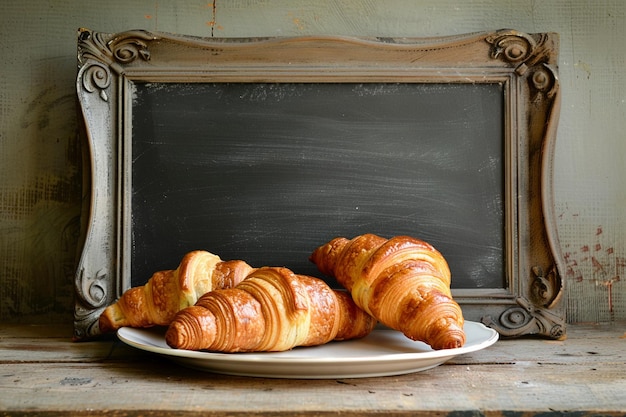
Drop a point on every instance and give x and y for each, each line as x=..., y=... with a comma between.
x=73, y=381
x=593, y=271
x=585, y=67
x=212, y=23
x=298, y=22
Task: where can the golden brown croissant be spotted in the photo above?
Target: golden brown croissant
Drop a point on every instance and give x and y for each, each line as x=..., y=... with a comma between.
x=272, y=310
x=403, y=282
x=168, y=292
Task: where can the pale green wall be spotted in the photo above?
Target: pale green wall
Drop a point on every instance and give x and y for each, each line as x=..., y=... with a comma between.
x=39, y=161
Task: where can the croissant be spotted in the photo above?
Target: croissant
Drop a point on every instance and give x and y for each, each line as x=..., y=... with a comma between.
x=272, y=310
x=403, y=282
x=169, y=291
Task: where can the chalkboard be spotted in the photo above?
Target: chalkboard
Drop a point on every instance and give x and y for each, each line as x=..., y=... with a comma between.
x=263, y=149
x=268, y=172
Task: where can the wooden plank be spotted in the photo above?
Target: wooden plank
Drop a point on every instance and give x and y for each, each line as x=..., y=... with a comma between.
x=160, y=385
x=43, y=373
x=36, y=331
x=53, y=343
x=584, y=344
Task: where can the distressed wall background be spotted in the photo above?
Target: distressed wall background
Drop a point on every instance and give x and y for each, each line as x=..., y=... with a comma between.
x=40, y=173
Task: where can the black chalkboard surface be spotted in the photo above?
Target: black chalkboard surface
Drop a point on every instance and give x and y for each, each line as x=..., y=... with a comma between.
x=267, y=172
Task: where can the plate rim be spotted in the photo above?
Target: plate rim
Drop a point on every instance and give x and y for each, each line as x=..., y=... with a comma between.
x=491, y=337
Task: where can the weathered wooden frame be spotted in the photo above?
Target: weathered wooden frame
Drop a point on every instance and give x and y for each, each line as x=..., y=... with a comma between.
x=525, y=64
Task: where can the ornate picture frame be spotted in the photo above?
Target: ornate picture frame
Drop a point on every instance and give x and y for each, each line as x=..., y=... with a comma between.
x=525, y=65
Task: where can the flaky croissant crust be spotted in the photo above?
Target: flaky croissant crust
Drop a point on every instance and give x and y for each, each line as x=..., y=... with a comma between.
x=272, y=310
x=169, y=291
x=404, y=282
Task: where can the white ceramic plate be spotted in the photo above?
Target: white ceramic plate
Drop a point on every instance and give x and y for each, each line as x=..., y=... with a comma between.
x=382, y=353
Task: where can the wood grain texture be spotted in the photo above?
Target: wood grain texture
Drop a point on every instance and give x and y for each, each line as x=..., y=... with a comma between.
x=39, y=200
x=44, y=373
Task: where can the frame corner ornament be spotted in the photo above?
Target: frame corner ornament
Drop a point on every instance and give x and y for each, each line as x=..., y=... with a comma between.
x=531, y=55
x=546, y=289
x=535, y=314
x=101, y=55
x=91, y=298
x=527, y=318
x=512, y=46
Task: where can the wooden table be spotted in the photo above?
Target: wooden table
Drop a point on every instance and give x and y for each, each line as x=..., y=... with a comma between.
x=43, y=372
